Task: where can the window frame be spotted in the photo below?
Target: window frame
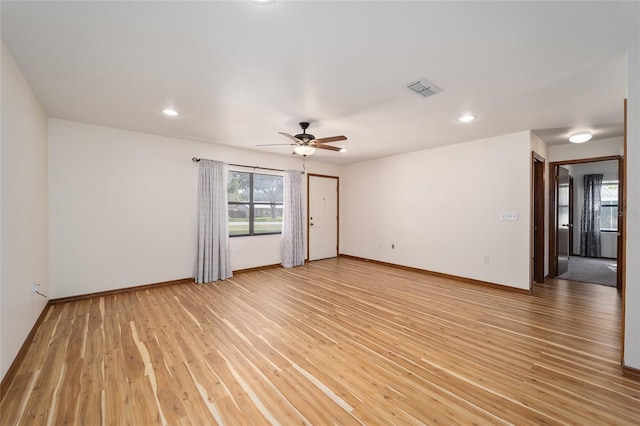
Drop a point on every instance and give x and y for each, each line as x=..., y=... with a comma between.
x=251, y=203
x=602, y=206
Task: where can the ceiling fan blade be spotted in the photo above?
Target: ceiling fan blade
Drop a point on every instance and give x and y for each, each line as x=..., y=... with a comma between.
x=329, y=147
x=293, y=138
x=277, y=144
x=331, y=139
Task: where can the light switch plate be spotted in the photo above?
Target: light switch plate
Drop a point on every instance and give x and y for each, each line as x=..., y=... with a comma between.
x=508, y=215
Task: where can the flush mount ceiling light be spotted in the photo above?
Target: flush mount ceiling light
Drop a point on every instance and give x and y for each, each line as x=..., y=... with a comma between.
x=170, y=112
x=467, y=118
x=580, y=137
x=304, y=150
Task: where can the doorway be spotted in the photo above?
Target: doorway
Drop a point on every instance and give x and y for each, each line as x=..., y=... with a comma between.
x=596, y=262
x=323, y=216
x=538, y=220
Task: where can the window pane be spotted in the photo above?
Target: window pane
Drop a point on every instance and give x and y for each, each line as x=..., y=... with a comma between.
x=267, y=188
x=609, y=193
x=255, y=203
x=238, y=219
x=267, y=218
x=609, y=218
x=609, y=203
x=238, y=187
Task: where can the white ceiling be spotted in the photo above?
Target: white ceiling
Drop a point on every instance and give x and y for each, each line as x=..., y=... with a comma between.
x=239, y=72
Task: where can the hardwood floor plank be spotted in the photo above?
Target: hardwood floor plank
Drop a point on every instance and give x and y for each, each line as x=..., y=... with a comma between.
x=89, y=409
x=39, y=404
x=190, y=402
x=163, y=385
x=144, y=410
x=237, y=392
x=22, y=386
x=338, y=341
x=117, y=401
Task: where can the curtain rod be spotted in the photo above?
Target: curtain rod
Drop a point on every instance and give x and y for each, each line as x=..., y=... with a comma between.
x=195, y=160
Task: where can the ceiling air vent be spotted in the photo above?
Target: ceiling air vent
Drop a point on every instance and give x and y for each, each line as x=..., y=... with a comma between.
x=424, y=88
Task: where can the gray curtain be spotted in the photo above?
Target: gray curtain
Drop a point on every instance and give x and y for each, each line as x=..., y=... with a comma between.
x=293, y=221
x=590, y=225
x=214, y=260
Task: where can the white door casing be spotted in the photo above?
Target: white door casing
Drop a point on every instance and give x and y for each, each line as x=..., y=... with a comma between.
x=323, y=217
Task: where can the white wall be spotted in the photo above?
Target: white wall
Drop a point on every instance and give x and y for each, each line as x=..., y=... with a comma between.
x=592, y=149
x=542, y=149
x=123, y=207
x=25, y=212
x=609, y=169
x=440, y=208
x=632, y=300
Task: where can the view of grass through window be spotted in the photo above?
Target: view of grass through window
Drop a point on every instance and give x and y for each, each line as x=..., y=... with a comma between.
x=609, y=206
x=255, y=204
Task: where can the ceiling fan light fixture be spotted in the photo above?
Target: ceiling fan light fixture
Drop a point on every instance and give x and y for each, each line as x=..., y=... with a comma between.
x=304, y=150
x=467, y=118
x=343, y=150
x=580, y=137
x=170, y=112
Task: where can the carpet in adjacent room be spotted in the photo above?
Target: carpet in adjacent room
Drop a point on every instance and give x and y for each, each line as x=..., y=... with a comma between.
x=591, y=270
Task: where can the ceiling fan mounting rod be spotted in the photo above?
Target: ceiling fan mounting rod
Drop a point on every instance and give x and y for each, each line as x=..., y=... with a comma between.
x=305, y=137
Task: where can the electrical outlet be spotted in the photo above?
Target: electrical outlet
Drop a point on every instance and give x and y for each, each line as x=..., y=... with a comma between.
x=485, y=258
x=393, y=246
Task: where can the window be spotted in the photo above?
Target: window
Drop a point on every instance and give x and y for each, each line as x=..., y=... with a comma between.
x=609, y=206
x=255, y=204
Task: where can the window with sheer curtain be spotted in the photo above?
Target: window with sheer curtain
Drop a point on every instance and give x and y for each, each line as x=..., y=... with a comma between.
x=213, y=260
x=293, y=250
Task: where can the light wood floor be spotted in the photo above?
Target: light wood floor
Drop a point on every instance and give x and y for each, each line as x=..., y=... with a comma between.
x=339, y=341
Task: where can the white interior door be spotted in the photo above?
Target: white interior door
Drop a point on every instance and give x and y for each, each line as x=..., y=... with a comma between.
x=323, y=217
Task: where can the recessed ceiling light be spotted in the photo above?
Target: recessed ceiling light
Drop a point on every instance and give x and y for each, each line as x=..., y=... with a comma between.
x=580, y=137
x=467, y=118
x=170, y=112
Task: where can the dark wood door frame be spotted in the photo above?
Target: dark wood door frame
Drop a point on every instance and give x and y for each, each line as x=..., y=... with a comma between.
x=553, y=173
x=571, y=210
x=622, y=238
x=538, y=164
x=562, y=228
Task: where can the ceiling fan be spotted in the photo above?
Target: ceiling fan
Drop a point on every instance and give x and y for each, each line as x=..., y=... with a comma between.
x=305, y=143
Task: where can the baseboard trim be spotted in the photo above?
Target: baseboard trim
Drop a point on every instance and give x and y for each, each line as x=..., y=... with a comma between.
x=631, y=372
x=440, y=275
x=17, y=361
x=148, y=286
x=257, y=268
x=121, y=290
